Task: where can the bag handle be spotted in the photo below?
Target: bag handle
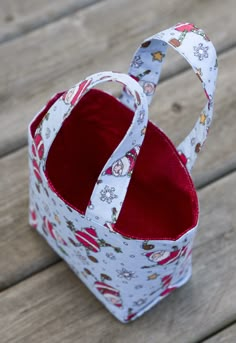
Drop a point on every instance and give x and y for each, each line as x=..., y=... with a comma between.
x=195, y=46
x=109, y=191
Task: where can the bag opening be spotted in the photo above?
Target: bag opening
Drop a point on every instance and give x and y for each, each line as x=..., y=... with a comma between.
x=161, y=202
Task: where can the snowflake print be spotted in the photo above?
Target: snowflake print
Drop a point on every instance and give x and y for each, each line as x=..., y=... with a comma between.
x=107, y=194
x=193, y=141
x=126, y=274
x=110, y=255
x=138, y=287
x=139, y=302
x=48, y=133
x=201, y=51
x=141, y=117
x=82, y=258
x=46, y=209
x=210, y=102
x=137, y=62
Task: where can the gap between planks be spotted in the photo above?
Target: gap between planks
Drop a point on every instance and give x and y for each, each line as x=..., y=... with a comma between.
x=25, y=243
x=55, y=298
x=224, y=335
x=35, y=21
x=218, y=157
x=22, y=142
x=28, y=79
x=57, y=259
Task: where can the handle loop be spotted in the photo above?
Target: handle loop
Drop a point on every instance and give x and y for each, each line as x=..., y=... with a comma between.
x=195, y=46
x=111, y=192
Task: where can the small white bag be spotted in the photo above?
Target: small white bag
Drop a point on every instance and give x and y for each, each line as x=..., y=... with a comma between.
x=109, y=191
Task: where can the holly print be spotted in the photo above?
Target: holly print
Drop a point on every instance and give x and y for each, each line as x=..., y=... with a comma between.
x=103, y=243
x=70, y=224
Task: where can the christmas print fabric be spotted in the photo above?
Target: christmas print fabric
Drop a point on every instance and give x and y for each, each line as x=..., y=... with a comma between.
x=127, y=275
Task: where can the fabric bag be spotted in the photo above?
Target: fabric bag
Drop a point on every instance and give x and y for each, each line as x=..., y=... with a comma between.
x=108, y=189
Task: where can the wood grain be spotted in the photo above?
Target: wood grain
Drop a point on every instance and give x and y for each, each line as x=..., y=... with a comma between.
x=177, y=105
x=20, y=17
x=219, y=153
x=103, y=36
x=53, y=306
x=22, y=251
x=225, y=336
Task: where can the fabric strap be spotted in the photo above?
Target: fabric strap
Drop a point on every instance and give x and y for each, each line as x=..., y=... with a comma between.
x=195, y=46
x=112, y=187
x=109, y=191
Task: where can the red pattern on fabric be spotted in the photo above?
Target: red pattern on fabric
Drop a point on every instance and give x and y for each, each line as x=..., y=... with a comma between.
x=88, y=238
x=185, y=27
x=161, y=201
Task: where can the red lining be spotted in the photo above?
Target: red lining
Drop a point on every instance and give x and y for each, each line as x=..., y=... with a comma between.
x=161, y=202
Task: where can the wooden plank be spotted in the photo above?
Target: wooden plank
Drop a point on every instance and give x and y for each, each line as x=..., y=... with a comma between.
x=225, y=336
x=38, y=307
x=28, y=258
x=20, y=17
x=22, y=251
x=59, y=55
x=176, y=107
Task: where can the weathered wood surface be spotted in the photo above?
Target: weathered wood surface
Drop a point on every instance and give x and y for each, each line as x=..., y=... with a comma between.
x=102, y=36
x=22, y=251
x=62, y=45
x=177, y=105
x=53, y=306
x=20, y=17
x=226, y=336
x=218, y=156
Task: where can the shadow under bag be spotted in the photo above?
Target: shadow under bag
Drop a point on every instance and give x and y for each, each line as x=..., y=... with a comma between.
x=109, y=191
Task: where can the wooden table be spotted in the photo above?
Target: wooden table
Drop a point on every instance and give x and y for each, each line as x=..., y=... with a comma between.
x=43, y=49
